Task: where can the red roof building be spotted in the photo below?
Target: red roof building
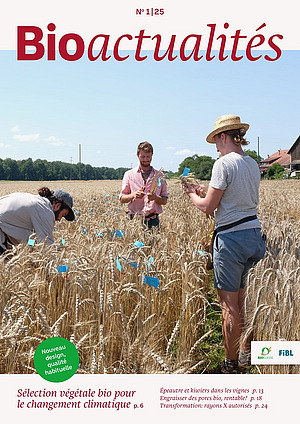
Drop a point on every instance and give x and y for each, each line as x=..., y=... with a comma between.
x=282, y=157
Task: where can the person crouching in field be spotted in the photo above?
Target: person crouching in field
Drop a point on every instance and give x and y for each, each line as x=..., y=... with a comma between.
x=136, y=187
x=233, y=196
x=22, y=214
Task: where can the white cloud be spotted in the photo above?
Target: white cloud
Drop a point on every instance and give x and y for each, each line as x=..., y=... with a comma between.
x=185, y=152
x=27, y=137
x=15, y=129
x=57, y=143
x=203, y=154
x=170, y=148
x=54, y=141
x=4, y=146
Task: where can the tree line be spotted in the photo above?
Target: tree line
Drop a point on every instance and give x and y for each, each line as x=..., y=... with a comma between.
x=42, y=170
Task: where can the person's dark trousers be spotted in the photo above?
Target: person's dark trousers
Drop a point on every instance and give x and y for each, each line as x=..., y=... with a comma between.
x=150, y=223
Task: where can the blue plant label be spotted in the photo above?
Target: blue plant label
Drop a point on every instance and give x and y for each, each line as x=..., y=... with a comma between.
x=150, y=261
x=118, y=264
x=151, y=281
x=132, y=262
x=62, y=268
x=118, y=233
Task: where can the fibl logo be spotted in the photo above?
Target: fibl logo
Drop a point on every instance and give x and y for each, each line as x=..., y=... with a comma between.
x=265, y=353
x=286, y=352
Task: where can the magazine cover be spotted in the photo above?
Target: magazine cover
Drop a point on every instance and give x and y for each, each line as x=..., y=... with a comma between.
x=149, y=211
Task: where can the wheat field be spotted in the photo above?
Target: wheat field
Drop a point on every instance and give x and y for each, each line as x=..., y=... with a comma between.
x=273, y=290
x=120, y=324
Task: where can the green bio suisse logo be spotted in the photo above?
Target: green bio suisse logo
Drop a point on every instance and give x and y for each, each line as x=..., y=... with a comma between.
x=265, y=351
x=56, y=359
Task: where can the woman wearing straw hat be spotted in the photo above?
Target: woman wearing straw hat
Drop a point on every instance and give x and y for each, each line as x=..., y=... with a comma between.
x=233, y=197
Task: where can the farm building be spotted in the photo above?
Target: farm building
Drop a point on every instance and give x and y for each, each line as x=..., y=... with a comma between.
x=282, y=157
x=294, y=153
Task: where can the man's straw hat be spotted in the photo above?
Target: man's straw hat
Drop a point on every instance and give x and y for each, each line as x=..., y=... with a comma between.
x=226, y=123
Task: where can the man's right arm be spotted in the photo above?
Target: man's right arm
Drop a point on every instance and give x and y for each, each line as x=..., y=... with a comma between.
x=126, y=198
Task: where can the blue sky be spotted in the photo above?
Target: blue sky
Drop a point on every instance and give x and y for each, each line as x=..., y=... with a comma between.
x=48, y=108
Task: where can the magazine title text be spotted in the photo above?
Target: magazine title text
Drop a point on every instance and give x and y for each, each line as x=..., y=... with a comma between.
x=213, y=44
